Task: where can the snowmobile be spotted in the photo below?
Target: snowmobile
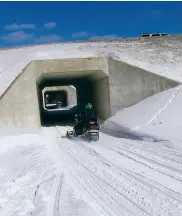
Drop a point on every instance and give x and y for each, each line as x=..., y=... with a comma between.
x=87, y=129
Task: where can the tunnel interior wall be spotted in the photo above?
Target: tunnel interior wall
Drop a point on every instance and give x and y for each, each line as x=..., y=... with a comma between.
x=83, y=86
x=40, y=100
x=84, y=92
x=86, y=73
x=101, y=98
x=72, y=92
x=130, y=85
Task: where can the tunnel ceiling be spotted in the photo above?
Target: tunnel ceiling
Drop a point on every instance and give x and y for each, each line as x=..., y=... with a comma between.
x=69, y=78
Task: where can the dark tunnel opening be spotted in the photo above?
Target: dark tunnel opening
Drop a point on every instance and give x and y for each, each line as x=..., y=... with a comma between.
x=86, y=89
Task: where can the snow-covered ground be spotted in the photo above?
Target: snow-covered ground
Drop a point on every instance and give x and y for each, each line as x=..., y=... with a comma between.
x=159, y=116
x=47, y=174
x=44, y=173
x=26, y=175
x=160, y=55
x=135, y=169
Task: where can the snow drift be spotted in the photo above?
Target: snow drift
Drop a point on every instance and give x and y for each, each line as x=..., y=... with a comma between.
x=159, y=116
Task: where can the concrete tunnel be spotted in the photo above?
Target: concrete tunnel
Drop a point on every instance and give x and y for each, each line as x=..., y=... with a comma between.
x=55, y=94
x=89, y=88
x=109, y=84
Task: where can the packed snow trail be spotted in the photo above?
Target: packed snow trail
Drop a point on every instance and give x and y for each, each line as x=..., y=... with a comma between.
x=116, y=176
x=26, y=174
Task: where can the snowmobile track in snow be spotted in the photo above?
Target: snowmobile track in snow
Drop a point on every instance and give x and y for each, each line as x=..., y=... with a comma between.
x=99, y=191
x=57, y=197
x=132, y=175
x=137, y=178
x=116, y=189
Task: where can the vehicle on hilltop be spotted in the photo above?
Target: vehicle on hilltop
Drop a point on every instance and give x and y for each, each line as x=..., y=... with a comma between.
x=153, y=35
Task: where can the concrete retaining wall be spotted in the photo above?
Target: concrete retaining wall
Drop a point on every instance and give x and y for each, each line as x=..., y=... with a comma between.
x=19, y=104
x=130, y=85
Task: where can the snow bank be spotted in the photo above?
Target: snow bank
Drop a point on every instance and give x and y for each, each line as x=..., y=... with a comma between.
x=157, y=56
x=159, y=115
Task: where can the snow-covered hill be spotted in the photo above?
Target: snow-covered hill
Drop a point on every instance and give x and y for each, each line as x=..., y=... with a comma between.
x=159, y=55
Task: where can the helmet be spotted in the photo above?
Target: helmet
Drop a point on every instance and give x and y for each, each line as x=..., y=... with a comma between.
x=88, y=106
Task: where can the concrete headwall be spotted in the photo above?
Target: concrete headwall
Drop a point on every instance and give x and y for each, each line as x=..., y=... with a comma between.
x=112, y=85
x=19, y=105
x=70, y=65
x=130, y=85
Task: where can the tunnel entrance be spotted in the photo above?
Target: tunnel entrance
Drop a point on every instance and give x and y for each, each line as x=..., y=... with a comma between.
x=87, y=86
x=55, y=99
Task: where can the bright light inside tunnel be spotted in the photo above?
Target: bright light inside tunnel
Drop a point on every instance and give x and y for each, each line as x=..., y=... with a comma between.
x=59, y=97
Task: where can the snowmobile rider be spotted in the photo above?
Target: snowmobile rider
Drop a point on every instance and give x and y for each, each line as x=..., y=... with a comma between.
x=89, y=111
x=84, y=117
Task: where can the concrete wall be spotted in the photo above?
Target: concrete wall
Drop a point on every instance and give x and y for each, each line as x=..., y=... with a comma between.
x=70, y=65
x=125, y=86
x=71, y=95
x=19, y=104
x=84, y=92
x=101, y=98
x=130, y=85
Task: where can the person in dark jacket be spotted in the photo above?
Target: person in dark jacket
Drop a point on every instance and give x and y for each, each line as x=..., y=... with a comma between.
x=84, y=117
x=89, y=112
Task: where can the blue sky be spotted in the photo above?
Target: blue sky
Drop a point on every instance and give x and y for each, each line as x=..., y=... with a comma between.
x=43, y=22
